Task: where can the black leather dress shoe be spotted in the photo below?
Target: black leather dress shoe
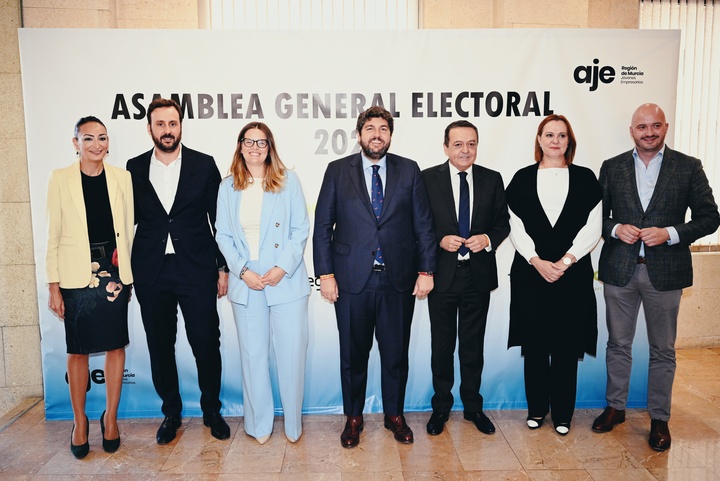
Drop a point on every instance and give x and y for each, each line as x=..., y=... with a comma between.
x=109, y=445
x=481, y=421
x=659, y=435
x=81, y=450
x=350, y=436
x=396, y=424
x=436, y=424
x=608, y=419
x=168, y=429
x=218, y=427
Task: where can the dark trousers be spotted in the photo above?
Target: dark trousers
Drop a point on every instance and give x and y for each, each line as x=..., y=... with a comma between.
x=379, y=308
x=158, y=305
x=551, y=384
x=458, y=313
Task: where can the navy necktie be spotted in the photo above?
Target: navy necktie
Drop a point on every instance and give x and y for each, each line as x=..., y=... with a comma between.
x=377, y=201
x=464, y=211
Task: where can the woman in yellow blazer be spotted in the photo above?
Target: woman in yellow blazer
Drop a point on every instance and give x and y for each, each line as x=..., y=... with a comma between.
x=90, y=219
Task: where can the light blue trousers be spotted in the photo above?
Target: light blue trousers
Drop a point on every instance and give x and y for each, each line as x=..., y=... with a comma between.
x=286, y=326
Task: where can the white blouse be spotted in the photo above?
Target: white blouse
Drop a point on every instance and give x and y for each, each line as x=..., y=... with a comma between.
x=250, y=212
x=553, y=185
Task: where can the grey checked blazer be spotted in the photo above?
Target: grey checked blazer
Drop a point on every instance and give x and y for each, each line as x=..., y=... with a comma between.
x=681, y=184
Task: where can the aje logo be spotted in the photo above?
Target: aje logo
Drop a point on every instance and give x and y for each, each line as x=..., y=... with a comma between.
x=97, y=376
x=592, y=74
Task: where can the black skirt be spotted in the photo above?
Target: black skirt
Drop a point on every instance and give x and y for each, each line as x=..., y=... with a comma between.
x=96, y=315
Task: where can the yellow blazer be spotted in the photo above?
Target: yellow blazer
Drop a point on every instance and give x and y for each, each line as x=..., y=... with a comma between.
x=68, y=245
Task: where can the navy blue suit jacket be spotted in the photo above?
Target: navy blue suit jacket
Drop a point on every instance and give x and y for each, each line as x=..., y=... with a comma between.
x=347, y=233
x=190, y=222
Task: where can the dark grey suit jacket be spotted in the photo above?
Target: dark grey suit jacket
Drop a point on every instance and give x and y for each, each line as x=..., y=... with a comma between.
x=681, y=184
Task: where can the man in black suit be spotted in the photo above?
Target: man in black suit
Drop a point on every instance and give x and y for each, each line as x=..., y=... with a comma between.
x=374, y=251
x=176, y=261
x=471, y=219
x=646, y=259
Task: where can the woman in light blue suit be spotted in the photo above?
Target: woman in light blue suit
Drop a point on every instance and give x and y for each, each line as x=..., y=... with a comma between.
x=262, y=228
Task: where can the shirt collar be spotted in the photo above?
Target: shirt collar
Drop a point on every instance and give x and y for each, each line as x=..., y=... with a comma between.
x=660, y=155
x=454, y=171
x=367, y=164
x=154, y=159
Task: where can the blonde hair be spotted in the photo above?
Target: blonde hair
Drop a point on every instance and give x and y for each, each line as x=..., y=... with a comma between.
x=274, y=168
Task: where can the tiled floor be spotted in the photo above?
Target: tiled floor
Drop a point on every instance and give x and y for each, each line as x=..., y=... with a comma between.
x=32, y=448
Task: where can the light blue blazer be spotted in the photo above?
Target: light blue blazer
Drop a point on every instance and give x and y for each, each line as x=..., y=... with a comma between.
x=284, y=229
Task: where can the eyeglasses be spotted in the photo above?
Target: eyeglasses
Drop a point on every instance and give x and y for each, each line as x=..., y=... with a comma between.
x=261, y=143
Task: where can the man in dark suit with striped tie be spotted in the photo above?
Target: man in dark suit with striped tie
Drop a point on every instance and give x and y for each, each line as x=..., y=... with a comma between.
x=646, y=259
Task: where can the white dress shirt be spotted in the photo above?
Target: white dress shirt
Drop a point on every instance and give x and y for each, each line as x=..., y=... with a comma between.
x=165, y=179
x=455, y=182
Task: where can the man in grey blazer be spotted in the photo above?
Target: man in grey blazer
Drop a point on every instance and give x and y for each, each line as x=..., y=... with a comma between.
x=646, y=258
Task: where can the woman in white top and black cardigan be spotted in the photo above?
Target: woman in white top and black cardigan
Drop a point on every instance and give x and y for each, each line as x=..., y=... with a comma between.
x=555, y=219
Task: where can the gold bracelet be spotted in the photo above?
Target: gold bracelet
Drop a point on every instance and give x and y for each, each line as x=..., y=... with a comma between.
x=326, y=276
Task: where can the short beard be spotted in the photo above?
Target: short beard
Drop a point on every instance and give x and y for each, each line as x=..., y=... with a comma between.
x=374, y=155
x=173, y=147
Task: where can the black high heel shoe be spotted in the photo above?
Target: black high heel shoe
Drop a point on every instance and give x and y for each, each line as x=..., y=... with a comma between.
x=109, y=445
x=81, y=450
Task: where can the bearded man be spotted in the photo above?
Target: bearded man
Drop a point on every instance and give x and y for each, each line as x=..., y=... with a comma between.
x=176, y=262
x=374, y=251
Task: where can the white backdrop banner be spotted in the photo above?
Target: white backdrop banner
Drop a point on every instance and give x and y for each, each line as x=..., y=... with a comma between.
x=309, y=88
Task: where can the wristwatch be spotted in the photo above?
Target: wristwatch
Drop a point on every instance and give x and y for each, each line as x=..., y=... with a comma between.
x=567, y=261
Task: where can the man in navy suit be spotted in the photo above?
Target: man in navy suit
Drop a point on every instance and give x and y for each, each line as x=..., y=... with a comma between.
x=176, y=261
x=646, y=259
x=471, y=219
x=374, y=251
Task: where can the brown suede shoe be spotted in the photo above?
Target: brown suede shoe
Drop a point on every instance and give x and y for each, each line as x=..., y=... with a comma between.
x=396, y=424
x=659, y=435
x=608, y=419
x=350, y=436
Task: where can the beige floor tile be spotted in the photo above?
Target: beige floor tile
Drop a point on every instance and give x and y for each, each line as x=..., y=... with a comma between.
x=601, y=451
x=560, y=475
x=540, y=448
x=478, y=451
x=377, y=453
x=513, y=475
x=632, y=474
x=684, y=474
x=196, y=452
x=189, y=477
x=318, y=450
x=294, y=476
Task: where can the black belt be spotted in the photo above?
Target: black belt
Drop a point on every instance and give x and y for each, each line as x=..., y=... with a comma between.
x=463, y=263
x=378, y=268
x=641, y=260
